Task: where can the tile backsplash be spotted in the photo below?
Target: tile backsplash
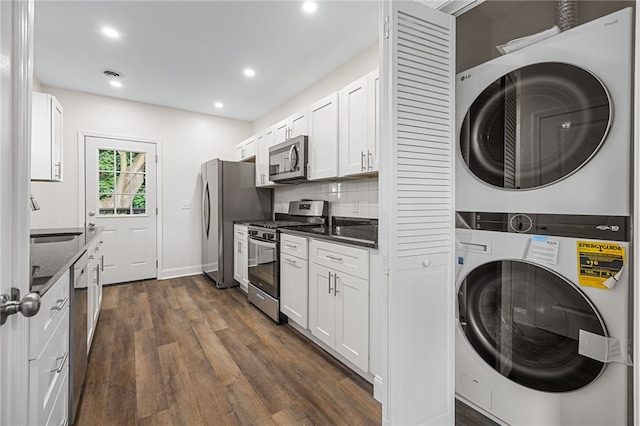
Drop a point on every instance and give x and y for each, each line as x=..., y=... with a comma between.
x=351, y=198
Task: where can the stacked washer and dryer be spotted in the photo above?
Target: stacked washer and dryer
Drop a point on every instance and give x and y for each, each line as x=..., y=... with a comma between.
x=543, y=194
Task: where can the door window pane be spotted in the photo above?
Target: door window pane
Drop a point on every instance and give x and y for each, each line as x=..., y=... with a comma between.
x=121, y=182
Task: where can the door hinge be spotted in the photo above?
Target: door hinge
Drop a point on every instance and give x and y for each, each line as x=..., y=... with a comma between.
x=156, y=211
x=156, y=158
x=386, y=265
x=156, y=264
x=387, y=27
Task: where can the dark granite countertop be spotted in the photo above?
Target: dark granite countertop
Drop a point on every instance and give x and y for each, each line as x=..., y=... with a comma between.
x=356, y=232
x=53, y=251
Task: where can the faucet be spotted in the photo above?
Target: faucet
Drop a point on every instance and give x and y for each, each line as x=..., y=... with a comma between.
x=34, y=203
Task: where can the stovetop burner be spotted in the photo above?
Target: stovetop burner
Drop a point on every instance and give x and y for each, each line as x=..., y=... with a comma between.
x=275, y=224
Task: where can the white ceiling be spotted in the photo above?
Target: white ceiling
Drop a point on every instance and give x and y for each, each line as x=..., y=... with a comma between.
x=190, y=54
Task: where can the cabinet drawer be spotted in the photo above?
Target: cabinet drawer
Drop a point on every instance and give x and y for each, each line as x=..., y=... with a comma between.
x=240, y=232
x=341, y=258
x=48, y=373
x=294, y=246
x=60, y=412
x=53, y=305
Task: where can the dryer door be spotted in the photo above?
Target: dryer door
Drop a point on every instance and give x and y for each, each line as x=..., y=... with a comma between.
x=524, y=321
x=535, y=126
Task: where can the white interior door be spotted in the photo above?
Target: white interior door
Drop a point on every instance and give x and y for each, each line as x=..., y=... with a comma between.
x=16, y=22
x=417, y=211
x=120, y=179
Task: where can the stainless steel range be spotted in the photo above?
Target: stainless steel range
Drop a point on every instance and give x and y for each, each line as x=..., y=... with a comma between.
x=264, y=249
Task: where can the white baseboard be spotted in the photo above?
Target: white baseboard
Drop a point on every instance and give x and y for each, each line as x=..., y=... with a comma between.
x=379, y=391
x=166, y=274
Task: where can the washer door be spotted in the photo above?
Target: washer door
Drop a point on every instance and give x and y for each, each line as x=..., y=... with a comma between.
x=524, y=321
x=535, y=126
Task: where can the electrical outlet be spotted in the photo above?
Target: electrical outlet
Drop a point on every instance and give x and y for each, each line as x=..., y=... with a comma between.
x=186, y=205
x=355, y=207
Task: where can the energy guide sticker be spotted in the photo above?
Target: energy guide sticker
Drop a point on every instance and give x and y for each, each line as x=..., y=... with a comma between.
x=600, y=263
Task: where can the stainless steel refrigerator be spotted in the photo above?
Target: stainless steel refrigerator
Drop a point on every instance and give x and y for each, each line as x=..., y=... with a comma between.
x=228, y=194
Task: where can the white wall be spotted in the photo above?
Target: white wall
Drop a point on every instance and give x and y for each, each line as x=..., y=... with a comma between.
x=187, y=140
x=366, y=61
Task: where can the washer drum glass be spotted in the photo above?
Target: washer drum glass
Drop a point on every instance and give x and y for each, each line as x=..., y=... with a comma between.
x=535, y=126
x=524, y=321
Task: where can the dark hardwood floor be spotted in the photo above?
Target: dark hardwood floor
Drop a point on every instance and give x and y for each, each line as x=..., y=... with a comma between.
x=182, y=352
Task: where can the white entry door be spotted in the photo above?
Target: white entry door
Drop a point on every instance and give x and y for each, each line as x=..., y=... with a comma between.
x=120, y=178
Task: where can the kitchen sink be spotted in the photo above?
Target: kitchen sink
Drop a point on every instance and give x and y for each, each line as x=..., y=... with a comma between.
x=54, y=238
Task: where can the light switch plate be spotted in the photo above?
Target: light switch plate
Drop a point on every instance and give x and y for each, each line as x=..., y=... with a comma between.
x=186, y=205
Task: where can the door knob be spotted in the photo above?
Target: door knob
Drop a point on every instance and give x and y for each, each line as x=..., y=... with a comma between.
x=92, y=213
x=9, y=305
x=91, y=224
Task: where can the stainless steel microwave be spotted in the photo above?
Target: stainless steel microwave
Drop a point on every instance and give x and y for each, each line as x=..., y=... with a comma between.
x=288, y=160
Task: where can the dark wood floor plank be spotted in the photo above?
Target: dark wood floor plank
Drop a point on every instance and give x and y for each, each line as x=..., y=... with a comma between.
x=258, y=374
x=150, y=398
x=161, y=418
x=224, y=367
x=247, y=404
x=143, y=318
x=181, y=397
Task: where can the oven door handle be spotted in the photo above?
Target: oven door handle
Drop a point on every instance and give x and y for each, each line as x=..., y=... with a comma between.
x=262, y=243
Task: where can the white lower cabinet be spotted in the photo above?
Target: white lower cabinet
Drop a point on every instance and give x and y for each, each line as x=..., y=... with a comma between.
x=49, y=378
x=94, y=290
x=339, y=299
x=294, y=279
x=241, y=256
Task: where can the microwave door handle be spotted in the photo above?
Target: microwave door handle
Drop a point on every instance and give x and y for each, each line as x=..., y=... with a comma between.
x=262, y=243
x=293, y=164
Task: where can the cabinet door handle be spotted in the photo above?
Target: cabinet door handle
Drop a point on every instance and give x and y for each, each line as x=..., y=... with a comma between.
x=58, y=166
x=335, y=285
x=338, y=258
x=330, y=282
x=64, y=357
x=362, y=156
x=291, y=246
x=102, y=263
x=59, y=304
x=369, y=160
x=290, y=261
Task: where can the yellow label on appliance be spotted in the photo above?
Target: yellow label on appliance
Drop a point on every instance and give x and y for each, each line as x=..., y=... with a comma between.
x=599, y=263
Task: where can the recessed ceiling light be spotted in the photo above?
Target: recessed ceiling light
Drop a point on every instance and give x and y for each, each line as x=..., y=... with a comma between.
x=110, y=32
x=113, y=77
x=218, y=105
x=309, y=6
x=249, y=72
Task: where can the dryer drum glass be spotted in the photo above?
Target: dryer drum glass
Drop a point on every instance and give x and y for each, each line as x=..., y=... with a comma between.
x=525, y=322
x=535, y=126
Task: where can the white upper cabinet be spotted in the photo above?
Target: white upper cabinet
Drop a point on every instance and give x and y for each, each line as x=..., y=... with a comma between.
x=373, y=120
x=264, y=141
x=359, y=112
x=292, y=126
x=246, y=149
x=323, y=138
x=46, y=138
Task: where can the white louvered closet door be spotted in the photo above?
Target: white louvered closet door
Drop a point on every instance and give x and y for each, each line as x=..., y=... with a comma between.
x=417, y=211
